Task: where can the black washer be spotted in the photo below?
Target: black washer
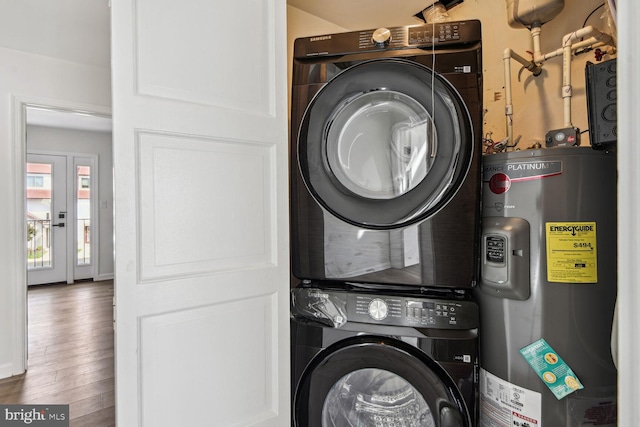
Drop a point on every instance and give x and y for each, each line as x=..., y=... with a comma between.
x=367, y=357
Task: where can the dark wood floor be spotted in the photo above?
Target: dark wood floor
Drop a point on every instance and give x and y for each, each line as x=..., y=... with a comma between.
x=70, y=353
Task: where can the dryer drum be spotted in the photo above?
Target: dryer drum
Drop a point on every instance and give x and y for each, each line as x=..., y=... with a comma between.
x=385, y=144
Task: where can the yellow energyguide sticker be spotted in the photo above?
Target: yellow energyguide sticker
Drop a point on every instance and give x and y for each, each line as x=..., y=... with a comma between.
x=572, y=252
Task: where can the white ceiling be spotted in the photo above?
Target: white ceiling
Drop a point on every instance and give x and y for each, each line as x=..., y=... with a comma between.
x=364, y=14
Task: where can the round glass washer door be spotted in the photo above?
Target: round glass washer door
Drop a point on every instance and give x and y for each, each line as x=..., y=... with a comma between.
x=386, y=143
x=375, y=397
x=377, y=381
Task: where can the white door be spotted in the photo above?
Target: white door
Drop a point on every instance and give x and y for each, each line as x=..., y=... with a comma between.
x=47, y=226
x=201, y=215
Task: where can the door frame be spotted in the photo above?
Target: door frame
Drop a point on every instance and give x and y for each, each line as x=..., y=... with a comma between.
x=19, y=136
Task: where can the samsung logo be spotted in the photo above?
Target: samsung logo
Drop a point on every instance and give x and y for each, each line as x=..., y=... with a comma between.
x=318, y=38
x=317, y=294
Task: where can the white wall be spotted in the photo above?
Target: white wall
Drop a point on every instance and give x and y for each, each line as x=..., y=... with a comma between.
x=537, y=101
x=302, y=24
x=73, y=30
x=45, y=80
x=60, y=140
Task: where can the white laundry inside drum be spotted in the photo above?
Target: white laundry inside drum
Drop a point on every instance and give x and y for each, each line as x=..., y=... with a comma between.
x=377, y=398
x=380, y=144
x=408, y=154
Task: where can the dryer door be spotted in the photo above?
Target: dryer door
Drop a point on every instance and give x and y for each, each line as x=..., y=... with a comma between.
x=385, y=144
x=377, y=381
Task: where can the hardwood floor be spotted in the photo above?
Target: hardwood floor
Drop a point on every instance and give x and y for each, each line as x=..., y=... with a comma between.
x=71, y=357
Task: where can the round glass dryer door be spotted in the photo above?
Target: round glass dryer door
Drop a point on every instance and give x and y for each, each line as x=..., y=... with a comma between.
x=386, y=143
x=380, y=144
x=377, y=381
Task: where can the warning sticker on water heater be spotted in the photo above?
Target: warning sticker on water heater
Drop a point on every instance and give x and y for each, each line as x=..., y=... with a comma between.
x=572, y=252
x=503, y=404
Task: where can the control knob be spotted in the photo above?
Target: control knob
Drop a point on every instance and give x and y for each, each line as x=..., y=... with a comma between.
x=381, y=37
x=378, y=309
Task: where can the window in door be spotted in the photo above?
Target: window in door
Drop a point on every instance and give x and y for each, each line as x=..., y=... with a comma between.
x=83, y=215
x=39, y=215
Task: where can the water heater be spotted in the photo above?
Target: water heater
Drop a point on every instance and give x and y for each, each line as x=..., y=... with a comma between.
x=548, y=285
x=528, y=12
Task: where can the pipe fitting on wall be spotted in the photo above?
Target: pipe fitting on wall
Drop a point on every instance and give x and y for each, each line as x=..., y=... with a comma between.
x=586, y=37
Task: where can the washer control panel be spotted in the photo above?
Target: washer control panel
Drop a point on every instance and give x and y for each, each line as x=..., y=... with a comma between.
x=412, y=311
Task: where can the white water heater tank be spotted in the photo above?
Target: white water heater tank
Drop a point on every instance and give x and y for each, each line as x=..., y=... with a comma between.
x=528, y=12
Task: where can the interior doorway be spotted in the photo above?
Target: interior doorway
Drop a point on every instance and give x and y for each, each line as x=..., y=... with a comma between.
x=68, y=197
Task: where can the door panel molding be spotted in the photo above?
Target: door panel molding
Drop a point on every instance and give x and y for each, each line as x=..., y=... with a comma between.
x=177, y=169
x=185, y=336
x=161, y=43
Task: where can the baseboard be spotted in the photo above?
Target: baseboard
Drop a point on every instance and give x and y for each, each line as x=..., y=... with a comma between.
x=6, y=370
x=102, y=277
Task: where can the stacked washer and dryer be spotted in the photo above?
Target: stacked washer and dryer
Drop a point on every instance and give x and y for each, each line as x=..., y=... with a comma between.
x=385, y=225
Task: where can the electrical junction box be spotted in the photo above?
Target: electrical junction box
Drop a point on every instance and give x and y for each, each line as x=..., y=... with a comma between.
x=601, y=104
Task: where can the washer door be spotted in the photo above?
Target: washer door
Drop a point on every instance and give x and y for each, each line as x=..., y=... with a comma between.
x=385, y=144
x=377, y=381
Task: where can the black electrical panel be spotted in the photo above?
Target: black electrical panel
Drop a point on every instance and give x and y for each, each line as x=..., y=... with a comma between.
x=601, y=104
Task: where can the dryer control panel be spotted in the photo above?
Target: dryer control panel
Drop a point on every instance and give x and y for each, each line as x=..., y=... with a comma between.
x=437, y=35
